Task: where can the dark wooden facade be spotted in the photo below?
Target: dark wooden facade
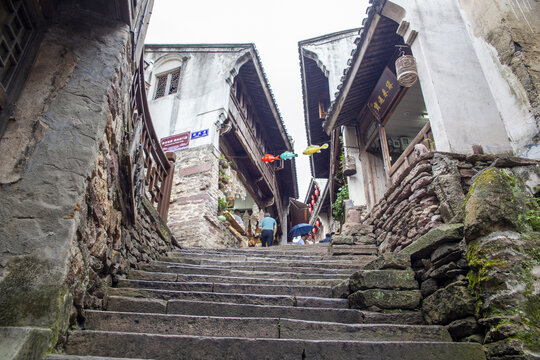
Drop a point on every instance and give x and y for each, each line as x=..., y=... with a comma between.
x=254, y=128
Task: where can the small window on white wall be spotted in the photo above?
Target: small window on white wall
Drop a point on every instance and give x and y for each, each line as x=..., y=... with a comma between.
x=167, y=84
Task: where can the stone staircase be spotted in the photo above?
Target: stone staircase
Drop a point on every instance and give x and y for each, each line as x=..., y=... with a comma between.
x=273, y=303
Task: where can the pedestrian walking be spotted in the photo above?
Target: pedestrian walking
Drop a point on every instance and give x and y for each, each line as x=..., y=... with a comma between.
x=269, y=227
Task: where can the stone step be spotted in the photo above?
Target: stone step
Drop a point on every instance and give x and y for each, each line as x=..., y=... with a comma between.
x=340, y=250
x=257, y=299
x=258, y=327
x=222, y=271
x=263, y=257
x=191, y=307
x=163, y=276
x=290, y=250
x=273, y=267
x=268, y=289
x=321, y=264
x=166, y=347
x=76, y=357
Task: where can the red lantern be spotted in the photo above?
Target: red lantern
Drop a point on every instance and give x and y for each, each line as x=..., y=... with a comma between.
x=310, y=209
x=316, y=187
x=314, y=230
x=313, y=196
x=313, y=202
x=317, y=192
x=318, y=223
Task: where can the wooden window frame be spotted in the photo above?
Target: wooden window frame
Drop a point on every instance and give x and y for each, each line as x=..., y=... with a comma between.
x=167, y=90
x=10, y=91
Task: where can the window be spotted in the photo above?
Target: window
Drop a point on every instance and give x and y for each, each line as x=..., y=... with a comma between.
x=20, y=27
x=15, y=34
x=167, y=84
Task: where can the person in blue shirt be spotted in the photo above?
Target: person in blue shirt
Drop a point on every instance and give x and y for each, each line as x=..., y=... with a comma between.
x=327, y=239
x=269, y=227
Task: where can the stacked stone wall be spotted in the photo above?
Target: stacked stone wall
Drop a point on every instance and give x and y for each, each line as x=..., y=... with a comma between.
x=194, y=200
x=66, y=226
x=428, y=194
x=478, y=273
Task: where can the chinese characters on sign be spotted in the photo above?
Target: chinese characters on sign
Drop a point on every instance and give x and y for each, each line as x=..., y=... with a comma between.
x=175, y=142
x=384, y=94
x=199, y=134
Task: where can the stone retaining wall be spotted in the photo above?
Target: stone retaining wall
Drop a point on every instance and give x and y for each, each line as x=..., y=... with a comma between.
x=66, y=225
x=194, y=200
x=429, y=193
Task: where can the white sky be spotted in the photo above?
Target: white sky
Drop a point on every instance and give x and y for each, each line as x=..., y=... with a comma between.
x=275, y=27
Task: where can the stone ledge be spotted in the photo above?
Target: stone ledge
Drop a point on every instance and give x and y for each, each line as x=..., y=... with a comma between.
x=23, y=343
x=426, y=244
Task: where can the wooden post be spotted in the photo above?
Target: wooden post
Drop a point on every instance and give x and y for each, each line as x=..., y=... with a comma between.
x=385, y=153
x=167, y=188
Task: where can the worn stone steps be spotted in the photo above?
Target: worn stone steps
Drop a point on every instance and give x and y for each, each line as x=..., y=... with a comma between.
x=263, y=257
x=258, y=327
x=321, y=264
x=256, y=304
x=75, y=357
x=164, y=276
x=207, y=270
x=341, y=250
x=192, y=307
x=165, y=347
x=267, y=266
x=260, y=299
x=267, y=289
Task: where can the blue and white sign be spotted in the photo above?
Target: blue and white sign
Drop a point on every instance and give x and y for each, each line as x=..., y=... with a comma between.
x=199, y=134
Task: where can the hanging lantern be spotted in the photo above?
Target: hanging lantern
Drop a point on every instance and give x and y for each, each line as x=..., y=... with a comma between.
x=317, y=192
x=313, y=202
x=318, y=223
x=310, y=209
x=313, y=196
x=316, y=187
x=314, y=230
x=406, y=71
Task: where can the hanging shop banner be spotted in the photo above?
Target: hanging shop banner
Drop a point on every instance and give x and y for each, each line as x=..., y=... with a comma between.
x=175, y=142
x=199, y=134
x=384, y=94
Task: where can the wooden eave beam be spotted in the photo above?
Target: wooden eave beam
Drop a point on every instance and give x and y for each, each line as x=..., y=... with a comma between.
x=350, y=79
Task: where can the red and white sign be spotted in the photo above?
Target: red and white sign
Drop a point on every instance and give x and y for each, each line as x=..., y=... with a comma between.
x=175, y=142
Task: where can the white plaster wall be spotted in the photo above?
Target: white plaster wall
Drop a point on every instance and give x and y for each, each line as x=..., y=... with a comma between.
x=458, y=97
x=510, y=95
x=202, y=97
x=356, y=182
x=333, y=53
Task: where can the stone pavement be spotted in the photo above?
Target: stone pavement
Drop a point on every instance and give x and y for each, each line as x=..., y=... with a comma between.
x=281, y=302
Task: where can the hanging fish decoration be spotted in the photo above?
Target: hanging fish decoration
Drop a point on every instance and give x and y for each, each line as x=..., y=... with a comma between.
x=270, y=158
x=312, y=149
x=287, y=155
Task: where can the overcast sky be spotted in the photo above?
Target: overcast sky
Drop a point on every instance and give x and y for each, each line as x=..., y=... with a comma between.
x=275, y=27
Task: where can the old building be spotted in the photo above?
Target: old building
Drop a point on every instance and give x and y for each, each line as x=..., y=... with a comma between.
x=475, y=88
x=322, y=60
x=213, y=107
x=434, y=126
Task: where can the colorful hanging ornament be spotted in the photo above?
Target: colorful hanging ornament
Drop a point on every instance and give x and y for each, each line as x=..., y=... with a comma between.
x=287, y=155
x=312, y=149
x=317, y=192
x=270, y=158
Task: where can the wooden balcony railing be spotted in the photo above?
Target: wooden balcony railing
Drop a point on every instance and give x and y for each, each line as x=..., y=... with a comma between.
x=151, y=169
x=425, y=136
